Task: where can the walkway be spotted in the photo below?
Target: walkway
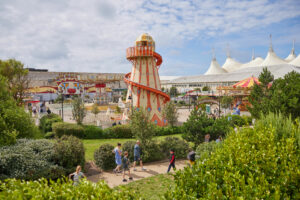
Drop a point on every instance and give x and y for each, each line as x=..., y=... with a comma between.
x=113, y=180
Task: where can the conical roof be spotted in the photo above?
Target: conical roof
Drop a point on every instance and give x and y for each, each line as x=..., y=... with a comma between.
x=272, y=58
x=292, y=55
x=296, y=61
x=253, y=63
x=215, y=68
x=231, y=64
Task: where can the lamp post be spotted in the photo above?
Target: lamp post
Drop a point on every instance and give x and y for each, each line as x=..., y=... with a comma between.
x=62, y=103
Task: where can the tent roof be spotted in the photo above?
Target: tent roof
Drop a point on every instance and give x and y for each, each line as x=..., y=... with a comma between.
x=215, y=68
x=253, y=63
x=272, y=59
x=247, y=83
x=231, y=64
x=296, y=61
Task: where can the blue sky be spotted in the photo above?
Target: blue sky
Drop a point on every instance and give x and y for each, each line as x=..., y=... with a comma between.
x=92, y=35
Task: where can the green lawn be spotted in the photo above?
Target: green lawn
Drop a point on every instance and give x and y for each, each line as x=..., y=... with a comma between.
x=152, y=187
x=91, y=145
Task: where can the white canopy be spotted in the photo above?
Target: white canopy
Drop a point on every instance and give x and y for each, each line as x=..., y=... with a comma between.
x=215, y=68
x=231, y=64
x=296, y=61
x=253, y=63
x=272, y=59
x=292, y=55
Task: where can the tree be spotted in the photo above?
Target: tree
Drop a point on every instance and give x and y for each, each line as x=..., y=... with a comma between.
x=206, y=88
x=78, y=110
x=226, y=101
x=173, y=91
x=14, y=121
x=163, y=89
x=260, y=94
x=141, y=126
x=285, y=95
x=124, y=95
x=170, y=113
x=16, y=75
x=95, y=110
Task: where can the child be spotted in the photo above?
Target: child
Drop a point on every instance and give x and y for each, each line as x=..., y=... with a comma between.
x=191, y=157
x=172, y=161
x=77, y=175
x=125, y=165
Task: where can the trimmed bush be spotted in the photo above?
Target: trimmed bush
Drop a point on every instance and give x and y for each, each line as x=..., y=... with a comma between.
x=252, y=163
x=119, y=131
x=104, y=157
x=47, y=120
x=69, y=152
x=92, y=132
x=29, y=159
x=206, y=149
x=151, y=152
x=129, y=146
x=61, y=189
x=237, y=120
x=62, y=128
x=179, y=146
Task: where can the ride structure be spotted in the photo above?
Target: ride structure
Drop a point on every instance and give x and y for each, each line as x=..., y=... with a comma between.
x=144, y=87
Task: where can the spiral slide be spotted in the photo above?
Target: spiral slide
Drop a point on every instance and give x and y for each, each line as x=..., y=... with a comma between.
x=158, y=63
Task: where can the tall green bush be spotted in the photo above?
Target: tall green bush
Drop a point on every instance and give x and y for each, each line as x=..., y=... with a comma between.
x=69, y=152
x=104, y=157
x=43, y=189
x=118, y=131
x=205, y=149
x=251, y=164
x=47, y=120
x=92, y=132
x=63, y=128
x=179, y=146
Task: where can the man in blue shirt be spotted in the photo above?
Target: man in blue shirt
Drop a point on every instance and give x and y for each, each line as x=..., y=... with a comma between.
x=137, y=155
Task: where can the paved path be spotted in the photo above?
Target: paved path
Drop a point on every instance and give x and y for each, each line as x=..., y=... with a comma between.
x=113, y=180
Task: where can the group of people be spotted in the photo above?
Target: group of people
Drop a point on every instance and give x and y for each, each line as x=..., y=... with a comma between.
x=124, y=161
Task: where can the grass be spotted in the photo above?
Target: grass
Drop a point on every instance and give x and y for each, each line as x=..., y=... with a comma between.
x=153, y=187
x=91, y=145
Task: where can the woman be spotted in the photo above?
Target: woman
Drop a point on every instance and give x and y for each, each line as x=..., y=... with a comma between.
x=77, y=175
x=117, y=151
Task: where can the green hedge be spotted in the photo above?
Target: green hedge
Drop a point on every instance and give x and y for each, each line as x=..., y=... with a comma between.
x=251, y=164
x=62, y=128
x=168, y=130
x=61, y=189
x=119, y=131
x=205, y=149
x=47, y=120
x=93, y=132
x=180, y=147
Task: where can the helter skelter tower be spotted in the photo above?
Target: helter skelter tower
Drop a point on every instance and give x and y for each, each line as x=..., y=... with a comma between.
x=144, y=88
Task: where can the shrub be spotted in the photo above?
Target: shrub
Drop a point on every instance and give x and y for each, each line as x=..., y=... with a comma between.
x=104, y=157
x=62, y=128
x=180, y=147
x=61, y=189
x=49, y=135
x=47, y=120
x=151, y=151
x=129, y=146
x=69, y=152
x=92, y=132
x=205, y=149
x=237, y=120
x=250, y=163
x=119, y=131
x=29, y=159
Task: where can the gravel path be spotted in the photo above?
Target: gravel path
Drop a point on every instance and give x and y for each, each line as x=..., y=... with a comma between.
x=154, y=168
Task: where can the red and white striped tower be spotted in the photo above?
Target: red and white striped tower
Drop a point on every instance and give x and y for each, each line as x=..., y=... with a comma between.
x=144, y=86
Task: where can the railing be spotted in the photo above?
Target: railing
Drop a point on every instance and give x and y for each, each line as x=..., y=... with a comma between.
x=139, y=51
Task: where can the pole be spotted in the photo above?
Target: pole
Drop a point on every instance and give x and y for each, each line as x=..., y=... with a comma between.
x=62, y=106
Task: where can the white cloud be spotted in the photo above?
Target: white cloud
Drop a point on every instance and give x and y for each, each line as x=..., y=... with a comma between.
x=80, y=35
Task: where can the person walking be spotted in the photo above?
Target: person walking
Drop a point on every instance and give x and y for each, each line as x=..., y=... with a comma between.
x=137, y=155
x=191, y=157
x=125, y=165
x=172, y=161
x=77, y=175
x=48, y=111
x=118, y=153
